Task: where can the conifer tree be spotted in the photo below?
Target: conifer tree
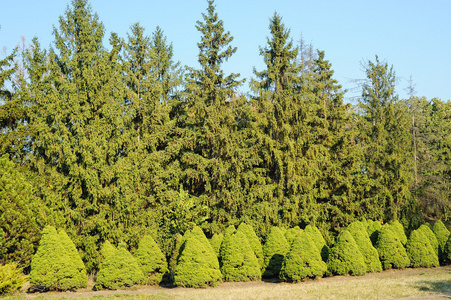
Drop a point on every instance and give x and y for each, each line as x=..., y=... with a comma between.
x=345, y=257
x=253, y=240
x=442, y=234
x=427, y=231
x=197, y=264
x=216, y=241
x=72, y=252
x=420, y=251
x=314, y=233
x=370, y=255
x=392, y=253
x=151, y=260
x=274, y=251
x=291, y=233
x=399, y=230
x=303, y=260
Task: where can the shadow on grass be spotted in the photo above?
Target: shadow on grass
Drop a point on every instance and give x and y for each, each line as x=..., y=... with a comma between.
x=439, y=286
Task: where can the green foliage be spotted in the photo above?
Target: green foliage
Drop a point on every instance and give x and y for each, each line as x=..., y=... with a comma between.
x=253, y=240
x=316, y=236
x=118, y=269
x=274, y=251
x=447, y=252
x=151, y=260
x=442, y=234
x=345, y=257
x=237, y=259
x=52, y=267
x=21, y=215
x=427, y=231
x=303, y=260
x=372, y=228
x=216, y=241
x=420, y=251
x=392, y=253
x=291, y=234
x=72, y=252
x=399, y=230
x=197, y=264
x=370, y=255
x=11, y=278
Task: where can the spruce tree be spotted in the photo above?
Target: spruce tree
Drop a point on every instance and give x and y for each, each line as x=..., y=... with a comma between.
x=291, y=233
x=370, y=255
x=216, y=241
x=427, y=231
x=151, y=260
x=314, y=233
x=399, y=230
x=392, y=253
x=74, y=256
x=274, y=251
x=442, y=234
x=345, y=257
x=197, y=264
x=303, y=260
x=420, y=251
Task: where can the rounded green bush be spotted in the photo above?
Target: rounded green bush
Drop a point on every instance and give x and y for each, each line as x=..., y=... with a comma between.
x=70, y=249
x=447, y=251
x=151, y=260
x=373, y=228
x=345, y=257
x=427, y=231
x=118, y=269
x=254, y=242
x=303, y=260
x=274, y=251
x=420, y=251
x=314, y=233
x=392, y=253
x=51, y=266
x=197, y=265
x=238, y=261
x=370, y=255
x=11, y=279
x=399, y=230
x=442, y=234
x=216, y=241
x=291, y=234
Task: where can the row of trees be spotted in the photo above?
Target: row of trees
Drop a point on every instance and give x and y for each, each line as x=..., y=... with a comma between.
x=115, y=141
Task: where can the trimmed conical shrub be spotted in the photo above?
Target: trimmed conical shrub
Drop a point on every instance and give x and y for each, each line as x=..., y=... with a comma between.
x=216, y=241
x=373, y=228
x=447, y=251
x=254, y=242
x=291, y=234
x=175, y=253
x=82, y=278
x=370, y=255
x=420, y=251
x=118, y=269
x=314, y=233
x=303, y=260
x=392, y=253
x=442, y=234
x=51, y=267
x=151, y=260
x=345, y=257
x=197, y=265
x=399, y=230
x=238, y=261
x=427, y=231
x=274, y=251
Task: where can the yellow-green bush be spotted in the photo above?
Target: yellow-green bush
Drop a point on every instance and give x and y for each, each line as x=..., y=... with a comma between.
x=151, y=260
x=442, y=234
x=253, y=240
x=420, y=251
x=11, y=278
x=314, y=233
x=392, y=253
x=370, y=255
x=274, y=251
x=345, y=257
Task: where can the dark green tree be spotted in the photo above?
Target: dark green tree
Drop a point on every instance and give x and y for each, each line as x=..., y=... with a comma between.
x=345, y=257
x=303, y=260
x=151, y=260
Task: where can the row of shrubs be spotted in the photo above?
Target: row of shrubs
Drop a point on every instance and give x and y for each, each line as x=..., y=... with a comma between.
x=291, y=255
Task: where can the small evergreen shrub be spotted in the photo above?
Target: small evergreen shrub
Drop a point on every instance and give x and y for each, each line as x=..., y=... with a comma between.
x=151, y=260
x=216, y=241
x=51, y=267
x=303, y=260
x=238, y=261
x=11, y=279
x=427, y=231
x=399, y=230
x=197, y=265
x=370, y=255
x=274, y=251
x=291, y=234
x=118, y=269
x=447, y=251
x=420, y=251
x=442, y=234
x=175, y=253
x=81, y=278
x=373, y=228
x=391, y=251
x=314, y=233
x=254, y=242
x=345, y=257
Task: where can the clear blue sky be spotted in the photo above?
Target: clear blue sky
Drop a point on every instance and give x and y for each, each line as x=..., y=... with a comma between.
x=412, y=35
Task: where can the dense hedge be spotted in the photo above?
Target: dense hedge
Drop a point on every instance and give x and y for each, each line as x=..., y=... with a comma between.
x=303, y=260
x=345, y=257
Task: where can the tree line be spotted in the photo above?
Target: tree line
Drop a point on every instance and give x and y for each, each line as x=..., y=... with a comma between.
x=112, y=141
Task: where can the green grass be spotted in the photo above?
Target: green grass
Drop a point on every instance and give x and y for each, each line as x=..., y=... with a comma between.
x=386, y=285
